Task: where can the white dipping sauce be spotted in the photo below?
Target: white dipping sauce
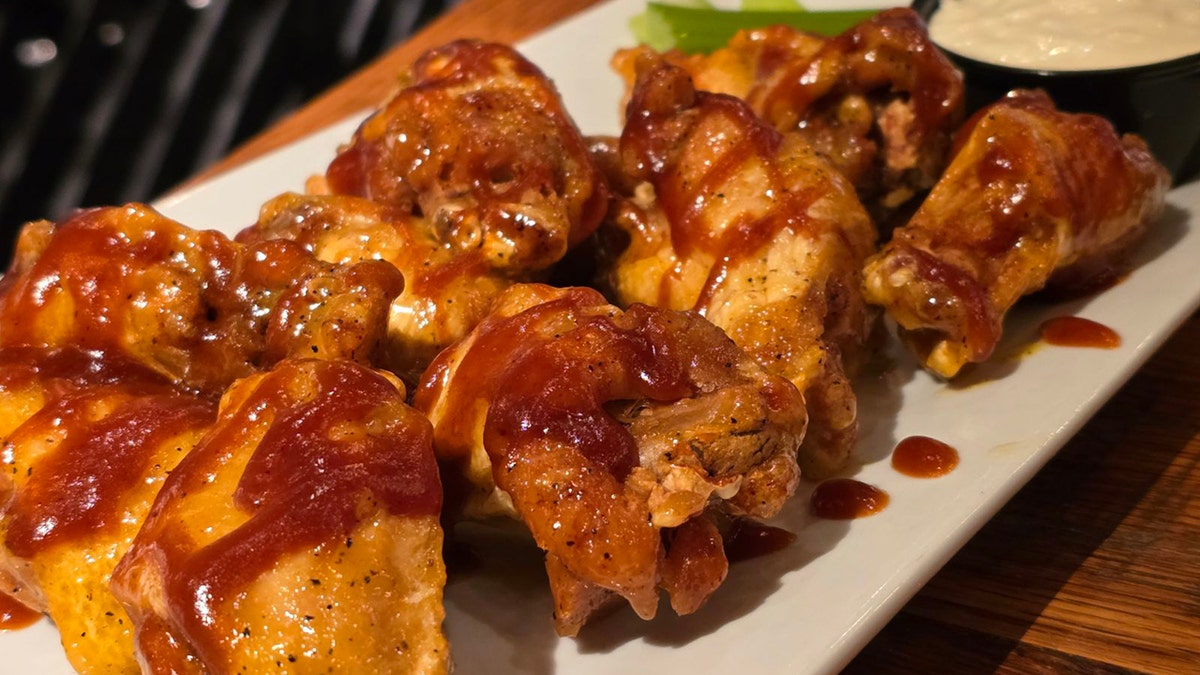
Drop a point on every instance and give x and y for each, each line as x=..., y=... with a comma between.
x=1068, y=34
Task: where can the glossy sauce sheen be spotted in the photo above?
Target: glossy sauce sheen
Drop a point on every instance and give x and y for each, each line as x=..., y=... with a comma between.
x=60, y=370
x=846, y=499
x=1039, y=169
x=1018, y=139
x=924, y=457
x=77, y=489
x=748, y=539
x=14, y=615
x=445, y=134
x=891, y=47
x=685, y=198
x=78, y=486
x=100, y=284
x=1073, y=331
x=558, y=395
x=100, y=259
x=540, y=377
x=304, y=484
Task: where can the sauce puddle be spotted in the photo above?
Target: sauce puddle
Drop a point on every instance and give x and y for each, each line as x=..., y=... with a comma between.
x=924, y=457
x=748, y=539
x=1073, y=331
x=846, y=499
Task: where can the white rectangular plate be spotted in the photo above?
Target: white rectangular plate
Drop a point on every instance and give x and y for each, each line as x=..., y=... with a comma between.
x=811, y=607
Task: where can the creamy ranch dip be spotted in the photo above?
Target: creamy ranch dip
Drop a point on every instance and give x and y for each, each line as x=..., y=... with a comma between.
x=1068, y=34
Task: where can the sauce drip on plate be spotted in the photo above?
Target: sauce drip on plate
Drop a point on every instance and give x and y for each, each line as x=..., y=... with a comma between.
x=748, y=539
x=846, y=499
x=1073, y=331
x=14, y=615
x=924, y=457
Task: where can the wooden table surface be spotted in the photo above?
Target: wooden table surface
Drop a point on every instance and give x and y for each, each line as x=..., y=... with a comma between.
x=1094, y=567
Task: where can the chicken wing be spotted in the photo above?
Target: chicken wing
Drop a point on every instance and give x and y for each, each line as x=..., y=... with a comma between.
x=482, y=180
x=754, y=230
x=608, y=433
x=88, y=442
x=1032, y=197
x=879, y=101
x=301, y=535
x=118, y=330
x=191, y=305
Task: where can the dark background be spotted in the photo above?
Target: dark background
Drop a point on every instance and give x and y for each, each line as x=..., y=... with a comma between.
x=110, y=101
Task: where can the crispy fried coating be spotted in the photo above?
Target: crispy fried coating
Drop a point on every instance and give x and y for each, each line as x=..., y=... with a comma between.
x=449, y=285
x=301, y=535
x=88, y=442
x=879, y=101
x=481, y=179
x=754, y=230
x=602, y=430
x=1032, y=197
x=191, y=305
x=478, y=142
x=119, y=328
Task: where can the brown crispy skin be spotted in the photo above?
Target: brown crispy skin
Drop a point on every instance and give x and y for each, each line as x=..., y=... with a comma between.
x=1033, y=197
x=601, y=429
x=193, y=306
x=879, y=101
x=301, y=535
x=472, y=177
x=448, y=286
x=752, y=229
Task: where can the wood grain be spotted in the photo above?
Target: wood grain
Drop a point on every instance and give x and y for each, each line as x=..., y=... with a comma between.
x=1095, y=558
x=1092, y=568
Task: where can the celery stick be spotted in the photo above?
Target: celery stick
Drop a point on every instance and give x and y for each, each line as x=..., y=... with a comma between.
x=771, y=5
x=692, y=29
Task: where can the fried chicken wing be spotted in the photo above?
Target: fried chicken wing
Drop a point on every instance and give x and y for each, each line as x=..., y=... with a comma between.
x=754, y=230
x=604, y=431
x=880, y=101
x=191, y=305
x=301, y=535
x=118, y=330
x=1032, y=197
x=88, y=442
x=480, y=180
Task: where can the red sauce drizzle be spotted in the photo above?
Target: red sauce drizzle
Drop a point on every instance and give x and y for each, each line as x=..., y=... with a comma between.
x=924, y=457
x=396, y=158
x=1073, y=331
x=14, y=615
x=846, y=499
x=965, y=311
x=544, y=388
x=560, y=393
x=304, y=484
x=59, y=371
x=748, y=539
x=78, y=488
x=87, y=258
x=889, y=51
